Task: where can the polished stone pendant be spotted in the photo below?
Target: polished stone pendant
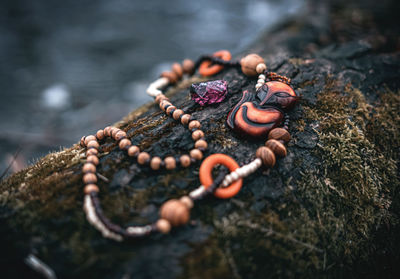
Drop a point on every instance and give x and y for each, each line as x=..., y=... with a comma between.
x=256, y=114
x=211, y=92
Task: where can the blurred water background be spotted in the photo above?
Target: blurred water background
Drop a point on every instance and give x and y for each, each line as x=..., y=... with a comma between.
x=69, y=68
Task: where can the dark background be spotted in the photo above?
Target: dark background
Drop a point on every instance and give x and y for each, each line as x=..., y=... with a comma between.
x=69, y=68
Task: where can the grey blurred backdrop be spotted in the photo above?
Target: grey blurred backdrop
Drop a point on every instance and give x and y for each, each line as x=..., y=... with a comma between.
x=68, y=68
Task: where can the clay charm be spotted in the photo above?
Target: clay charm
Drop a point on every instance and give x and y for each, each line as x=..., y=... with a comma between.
x=256, y=114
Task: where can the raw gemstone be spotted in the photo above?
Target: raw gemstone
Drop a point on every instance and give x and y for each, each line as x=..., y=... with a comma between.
x=211, y=92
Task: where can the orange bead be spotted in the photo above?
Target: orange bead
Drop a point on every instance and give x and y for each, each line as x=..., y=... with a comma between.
x=194, y=125
x=89, y=178
x=143, y=158
x=185, y=161
x=196, y=154
x=171, y=76
x=201, y=144
x=160, y=98
x=175, y=212
x=249, y=64
x=177, y=69
x=155, y=163
x=91, y=188
x=266, y=155
x=89, y=139
x=164, y=103
x=185, y=119
x=114, y=132
x=124, y=143
x=177, y=113
x=170, y=109
x=107, y=131
x=170, y=163
x=88, y=167
x=277, y=147
x=198, y=134
x=92, y=151
x=133, y=150
x=100, y=134
x=93, y=159
x=120, y=135
x=279, y=134
x=93, y=144
x=188, y=66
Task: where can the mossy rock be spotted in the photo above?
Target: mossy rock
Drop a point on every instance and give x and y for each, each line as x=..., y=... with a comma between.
x=329, y=209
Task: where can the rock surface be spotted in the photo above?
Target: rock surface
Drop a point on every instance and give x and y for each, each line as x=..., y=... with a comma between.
x=329, y=208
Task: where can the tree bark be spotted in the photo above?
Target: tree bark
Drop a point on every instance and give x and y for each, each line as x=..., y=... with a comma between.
x=330, y=207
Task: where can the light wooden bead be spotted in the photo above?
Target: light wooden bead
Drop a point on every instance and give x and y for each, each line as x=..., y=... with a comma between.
x=160, y=98
x=266, y=155
x=201, y=144
x=185, y=119
x=185, y=161
x=143, y=158
x=279, y=134
x=107, y=131
x=196, y=154
x=277, y=147
x=163, y=226
x=124, y=144
x=93, y=159
x=169, y=109
x=260, y=68
x=89, y=139
x=198, y=134
x=177, y=113
x=194, y=125
x=89, y=178
x=92, y=151
x=93, y=144
x=155, y=163
x=187, y=201
x=249, y=64
x=188, y=66
x=175, y=212
x=120, y=135
x=133, y=150
x=171, y=76
x=100, y=134
x=89, y=167
x=91, y=188
x=177, y=69
x=170, y=163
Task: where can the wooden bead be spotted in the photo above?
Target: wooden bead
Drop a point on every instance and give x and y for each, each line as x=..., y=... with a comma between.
x=89, y=178
x=187, y=201
x=249, y=64
x=133, y=150
x=100, y=134
x=170, y=163
x=92, y=151
x=89, y=139
x=170, y=109
x=171, y=76
x=196, y=154
x=120, y=135
x=188, y=66
x=93, y=144
x=177, y=69
x=177, y=113
x=194, y=125
x=93, y=159
x=198, y=134
x=82, y=142
x=266, y=155
x=124, y=144
x=164, y=103
x=114, y=132
x=143, y=158
x=91, y=188
x=279, y=134
x=277, y=147
x=175, y=212
x=160, y=98
x=185, y=161
x=155, y=163
x=260, y=68
x=89, y=167
x=163, y=226
x=185, y=119
x=201, y=144
x=107, y=131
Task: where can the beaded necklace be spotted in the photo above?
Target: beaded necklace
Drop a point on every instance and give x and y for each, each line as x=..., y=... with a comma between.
x=259, y=115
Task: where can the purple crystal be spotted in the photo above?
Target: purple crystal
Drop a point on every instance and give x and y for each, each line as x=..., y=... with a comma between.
x=211, y=92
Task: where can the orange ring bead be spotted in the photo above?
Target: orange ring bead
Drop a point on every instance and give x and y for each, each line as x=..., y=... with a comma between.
x=206, y=69
x=206, y=177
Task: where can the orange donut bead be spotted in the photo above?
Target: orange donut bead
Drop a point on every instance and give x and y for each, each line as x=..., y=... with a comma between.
x=206, y=69
x=206, y=179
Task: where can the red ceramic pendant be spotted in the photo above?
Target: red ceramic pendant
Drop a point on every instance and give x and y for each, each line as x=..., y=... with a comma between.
x=256, y=114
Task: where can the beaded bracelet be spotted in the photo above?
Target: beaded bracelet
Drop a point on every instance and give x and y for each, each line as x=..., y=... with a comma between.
x=259, y=115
